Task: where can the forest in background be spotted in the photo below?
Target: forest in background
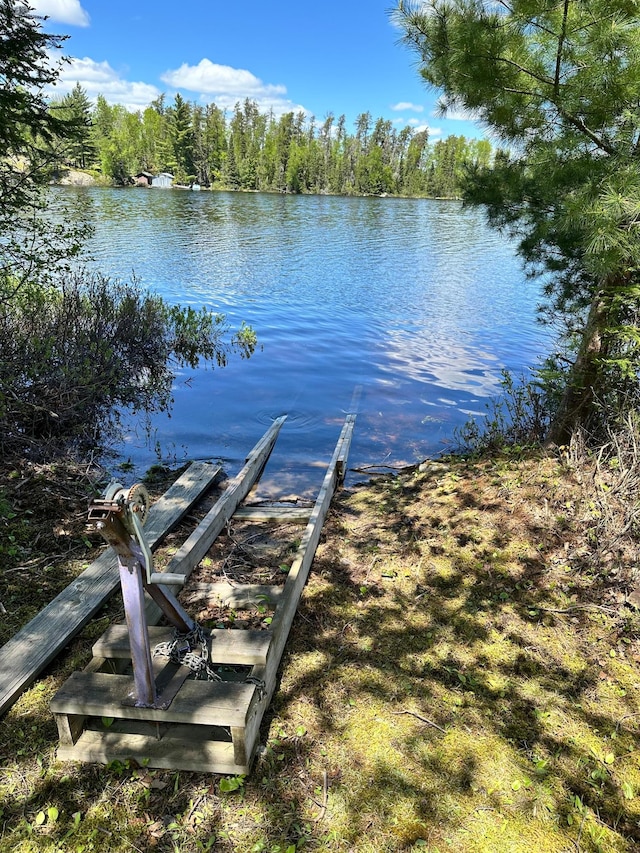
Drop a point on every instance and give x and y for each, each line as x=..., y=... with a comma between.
x=252, y=150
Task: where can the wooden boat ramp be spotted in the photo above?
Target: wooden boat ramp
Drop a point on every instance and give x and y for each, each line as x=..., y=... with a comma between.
x=178, y=696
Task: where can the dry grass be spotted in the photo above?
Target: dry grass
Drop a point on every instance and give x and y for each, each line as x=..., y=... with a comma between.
x=462, y=675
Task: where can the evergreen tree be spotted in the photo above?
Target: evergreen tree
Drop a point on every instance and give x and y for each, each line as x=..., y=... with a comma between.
x=180, y=140
x=283, y=138
x=400, y=158
x=559, y=83
x=215, y=141
x=268, y=165
x=75, y=108
x=231, y=176
x=339, y=166
x=29, y=140
x=326, y=144
x=28, y=128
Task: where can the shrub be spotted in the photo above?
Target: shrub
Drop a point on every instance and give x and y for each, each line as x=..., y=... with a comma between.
x=76, y=355
x=518, y=418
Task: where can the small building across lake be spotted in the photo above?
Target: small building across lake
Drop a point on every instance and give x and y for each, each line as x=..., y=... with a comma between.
x=163, y=180
x=143, y=179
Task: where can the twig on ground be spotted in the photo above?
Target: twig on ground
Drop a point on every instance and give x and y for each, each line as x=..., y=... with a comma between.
x=575, y=607
x=423, y=719
x=325, y=796
x=194, y=808
x=626, y=717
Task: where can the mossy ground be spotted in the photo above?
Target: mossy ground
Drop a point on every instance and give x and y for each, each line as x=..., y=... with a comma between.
x=461, y=675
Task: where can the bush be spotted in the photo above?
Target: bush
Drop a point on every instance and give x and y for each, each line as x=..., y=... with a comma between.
x=519, y=418
x=75, y=356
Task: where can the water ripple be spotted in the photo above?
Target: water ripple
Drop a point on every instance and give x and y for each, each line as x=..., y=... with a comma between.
x=416, y=301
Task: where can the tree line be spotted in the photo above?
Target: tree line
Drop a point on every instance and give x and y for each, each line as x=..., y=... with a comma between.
x=253, y=150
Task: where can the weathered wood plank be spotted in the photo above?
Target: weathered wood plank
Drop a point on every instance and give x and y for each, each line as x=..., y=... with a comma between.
x=292, y=514
x=206, y=703
x=299, y=571
x=197, y=545
x=171, y=752
x=294, y=584
x=24, y=656
x=70, y=727
x=167, y=511
x=231, y=647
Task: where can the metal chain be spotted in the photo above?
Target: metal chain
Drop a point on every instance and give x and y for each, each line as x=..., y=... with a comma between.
x=181, y=650
x=259, y=684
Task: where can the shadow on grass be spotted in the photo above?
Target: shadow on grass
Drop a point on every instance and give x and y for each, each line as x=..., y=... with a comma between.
x=455, y=680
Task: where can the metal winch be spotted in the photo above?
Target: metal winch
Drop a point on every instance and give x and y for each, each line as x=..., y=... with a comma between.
x=128, y=508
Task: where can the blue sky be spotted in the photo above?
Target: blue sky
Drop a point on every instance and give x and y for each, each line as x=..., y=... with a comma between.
x=339, y=56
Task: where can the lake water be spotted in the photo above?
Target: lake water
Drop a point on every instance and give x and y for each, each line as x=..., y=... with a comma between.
x=416, y=303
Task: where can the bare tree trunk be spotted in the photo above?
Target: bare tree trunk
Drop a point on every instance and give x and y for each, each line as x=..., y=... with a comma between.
x=580, y=392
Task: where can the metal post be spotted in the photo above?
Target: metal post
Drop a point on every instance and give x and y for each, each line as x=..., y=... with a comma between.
x=135, y=567
x=133, y=598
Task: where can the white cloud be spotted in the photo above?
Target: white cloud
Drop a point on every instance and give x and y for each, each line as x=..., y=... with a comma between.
x=213, y=79
x=226, y=86
x=99, y=78
x=220, y=83
x=64, y=11
x=419, y=126
x=407, y=105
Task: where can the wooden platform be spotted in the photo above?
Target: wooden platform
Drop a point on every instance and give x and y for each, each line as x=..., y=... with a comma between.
x=209, y=726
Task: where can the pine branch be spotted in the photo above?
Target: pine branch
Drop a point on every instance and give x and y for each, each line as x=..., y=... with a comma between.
x=561, y=39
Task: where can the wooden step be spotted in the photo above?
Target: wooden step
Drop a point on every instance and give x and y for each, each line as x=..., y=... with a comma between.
x=231, y=647
x=204, y=703
x=179, y=749
x=292, y=514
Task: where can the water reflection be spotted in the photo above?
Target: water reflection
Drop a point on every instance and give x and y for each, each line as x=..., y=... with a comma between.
x=416, y=301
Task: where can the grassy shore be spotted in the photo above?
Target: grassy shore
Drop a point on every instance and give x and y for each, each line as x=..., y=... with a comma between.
x=462, y=675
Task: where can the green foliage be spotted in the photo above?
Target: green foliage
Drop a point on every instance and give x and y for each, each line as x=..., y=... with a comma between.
x=559, y=85
x=27, y=65
x=254, y=151
x=229, y=784
x=29, y=141
x=75, y=108
x=76, y=355
x=517, y=420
